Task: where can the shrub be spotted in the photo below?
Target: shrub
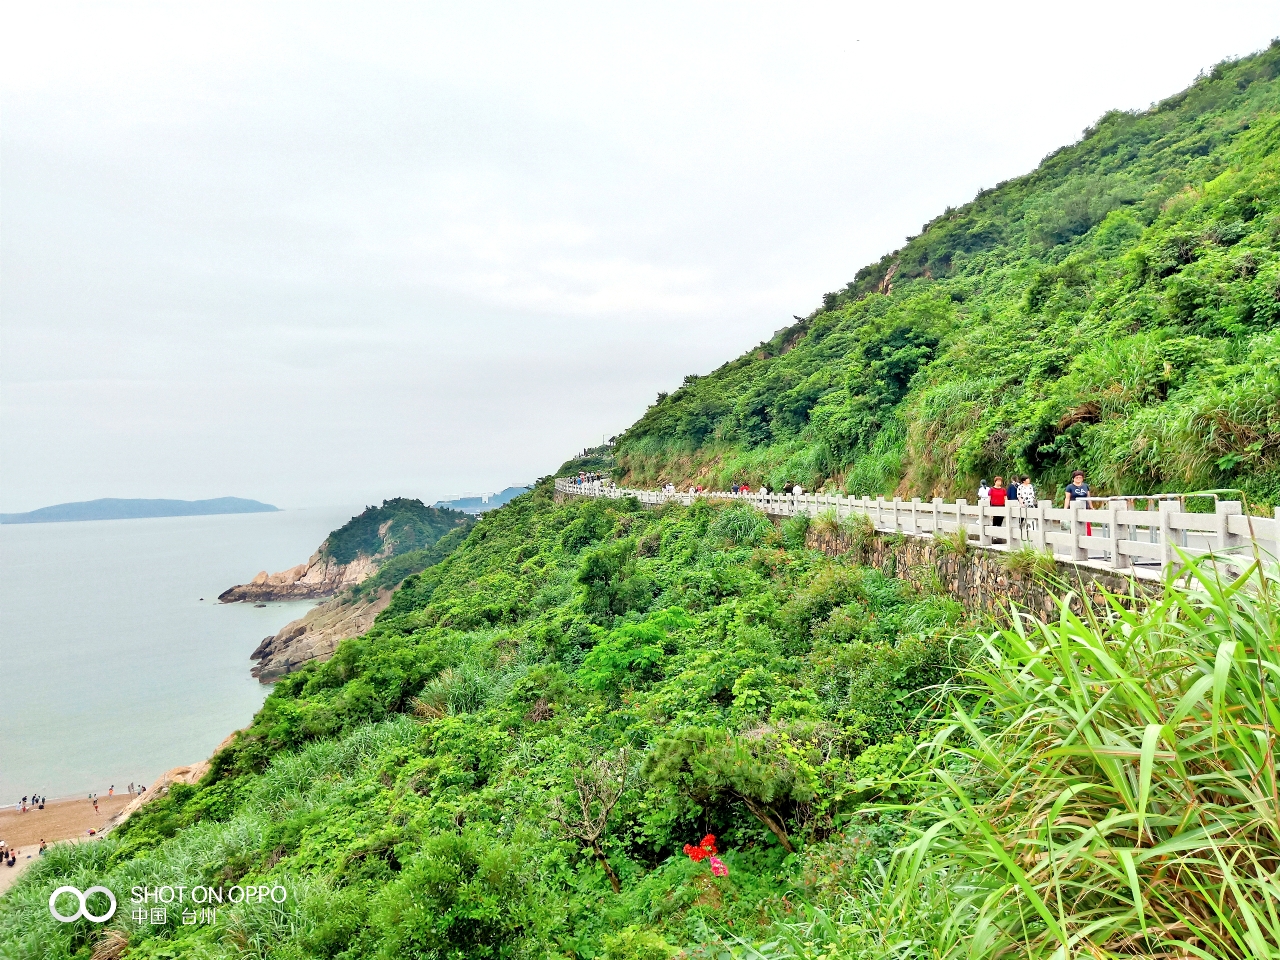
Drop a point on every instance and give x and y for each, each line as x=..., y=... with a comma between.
x=795, y=530
x=955, y=543
x=826, y=524
x=1027, y=561
x=740, y=525
x=860, y=531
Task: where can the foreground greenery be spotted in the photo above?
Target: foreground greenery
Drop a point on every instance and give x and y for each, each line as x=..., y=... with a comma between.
x=1116, y=309
x=417, y=792
x=512, y=761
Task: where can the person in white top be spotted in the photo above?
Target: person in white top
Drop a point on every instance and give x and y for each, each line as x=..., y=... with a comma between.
x=1026, y=500
x=798, y=490
x=983, y=490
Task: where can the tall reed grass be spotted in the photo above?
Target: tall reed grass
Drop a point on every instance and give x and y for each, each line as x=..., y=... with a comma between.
x=1105, y=785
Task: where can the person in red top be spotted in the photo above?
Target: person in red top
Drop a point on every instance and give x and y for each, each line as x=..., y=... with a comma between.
x=997, y=496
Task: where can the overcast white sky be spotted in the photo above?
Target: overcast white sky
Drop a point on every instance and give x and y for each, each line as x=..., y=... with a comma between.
x=318, y=254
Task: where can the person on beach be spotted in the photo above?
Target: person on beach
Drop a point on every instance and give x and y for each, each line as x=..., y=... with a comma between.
x=43, y=847
x=95, y=804
x=112, y=791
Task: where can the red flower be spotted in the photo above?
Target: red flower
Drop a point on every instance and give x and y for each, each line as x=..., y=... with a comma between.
x=707, y=848
x=696, y=854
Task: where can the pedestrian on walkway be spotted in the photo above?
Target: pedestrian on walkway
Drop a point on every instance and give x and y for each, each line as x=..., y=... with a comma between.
x=1077, y=489
x=998, y=497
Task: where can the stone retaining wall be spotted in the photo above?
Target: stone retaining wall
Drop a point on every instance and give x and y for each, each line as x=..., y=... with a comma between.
x=980, y=579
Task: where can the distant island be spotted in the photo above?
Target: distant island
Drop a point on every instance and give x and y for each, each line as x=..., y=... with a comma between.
x=112, y=508
x=483, y=502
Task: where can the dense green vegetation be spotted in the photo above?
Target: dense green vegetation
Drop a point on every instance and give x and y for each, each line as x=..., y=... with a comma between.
x=408, y=790
x=513, y=761
x=392, y=572
x=398, y=526
x=1116, y=309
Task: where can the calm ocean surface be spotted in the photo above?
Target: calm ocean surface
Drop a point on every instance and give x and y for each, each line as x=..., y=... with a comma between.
x=111, y=668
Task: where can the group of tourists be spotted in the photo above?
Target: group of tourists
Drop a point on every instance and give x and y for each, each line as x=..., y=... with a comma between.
x=9, y=855
x=36, y=801
x=788, y=489
x=1022, y=492
x=584, y=479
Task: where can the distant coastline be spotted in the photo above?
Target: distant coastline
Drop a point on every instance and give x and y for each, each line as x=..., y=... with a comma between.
x=111, y=508
x=483, y=502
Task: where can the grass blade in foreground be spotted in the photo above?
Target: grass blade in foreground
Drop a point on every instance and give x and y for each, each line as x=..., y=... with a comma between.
x=1113, y=792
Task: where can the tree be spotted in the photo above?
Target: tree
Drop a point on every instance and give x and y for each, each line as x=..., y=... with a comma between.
x=599, y=786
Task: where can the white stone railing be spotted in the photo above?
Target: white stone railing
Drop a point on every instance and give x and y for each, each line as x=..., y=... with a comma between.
x=1109, y=534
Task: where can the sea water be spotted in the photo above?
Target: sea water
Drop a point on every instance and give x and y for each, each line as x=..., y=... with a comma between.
x=112, y=668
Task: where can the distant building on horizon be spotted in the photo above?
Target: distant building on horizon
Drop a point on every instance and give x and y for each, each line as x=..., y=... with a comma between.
x=480, y=503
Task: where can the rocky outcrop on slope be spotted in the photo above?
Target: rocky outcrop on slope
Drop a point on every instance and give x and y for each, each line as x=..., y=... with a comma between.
x=189, y=775
x=316, y=635
x=319, y=577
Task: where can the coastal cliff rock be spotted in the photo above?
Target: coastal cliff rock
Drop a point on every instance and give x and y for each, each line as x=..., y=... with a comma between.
x=356, y=569
x=321, y=576
x=316, y=635
x=354, y=552
x=189, y=775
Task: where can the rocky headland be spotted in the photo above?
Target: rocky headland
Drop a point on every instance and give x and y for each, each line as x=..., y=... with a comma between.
x=320, y=577
x=316, y=635
x=355, y=570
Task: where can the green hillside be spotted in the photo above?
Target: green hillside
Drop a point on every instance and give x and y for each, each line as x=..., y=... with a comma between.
x=398, y=526
x=1117, y=309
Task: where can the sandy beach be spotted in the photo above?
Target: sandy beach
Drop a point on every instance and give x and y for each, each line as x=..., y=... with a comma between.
x=59, y=820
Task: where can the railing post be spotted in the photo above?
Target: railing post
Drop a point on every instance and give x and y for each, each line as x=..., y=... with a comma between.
x=1166, y=532
x=1119, y=533
x=1227, y=509
x=897, y=523
x=1041, y=541
x=1078, y=552
x=937, y=515
x=984, y=538
x=960, y=524
x=915, y=515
